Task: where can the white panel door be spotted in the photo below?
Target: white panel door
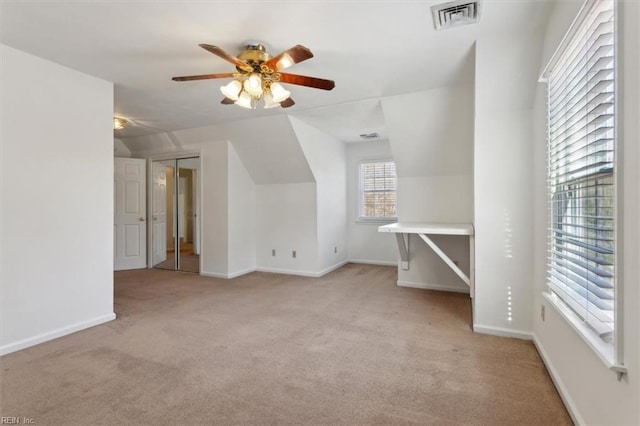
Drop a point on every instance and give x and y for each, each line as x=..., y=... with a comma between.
x=130, y=228
x=159, y=213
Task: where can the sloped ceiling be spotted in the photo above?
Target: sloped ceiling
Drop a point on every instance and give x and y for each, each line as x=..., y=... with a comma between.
x=267, y=146
x=346, y=122
x=371, y=49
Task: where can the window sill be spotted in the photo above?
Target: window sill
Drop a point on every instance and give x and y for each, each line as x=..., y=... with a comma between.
x=376, y=221
x=603, y=350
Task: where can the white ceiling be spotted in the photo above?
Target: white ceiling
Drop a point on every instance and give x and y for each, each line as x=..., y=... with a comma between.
x=371, y=49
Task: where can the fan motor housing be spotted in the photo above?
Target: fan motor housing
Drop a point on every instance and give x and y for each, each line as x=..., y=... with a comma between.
x=254, y=55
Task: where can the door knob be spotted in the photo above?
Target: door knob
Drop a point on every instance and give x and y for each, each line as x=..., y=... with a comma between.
x=155, y=218
x=141, y=219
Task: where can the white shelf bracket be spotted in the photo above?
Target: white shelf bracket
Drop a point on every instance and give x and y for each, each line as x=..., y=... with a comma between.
x=446, y=259
x=403, y=247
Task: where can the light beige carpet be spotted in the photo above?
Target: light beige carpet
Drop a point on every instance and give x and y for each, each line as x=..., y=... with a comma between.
x=350, y=348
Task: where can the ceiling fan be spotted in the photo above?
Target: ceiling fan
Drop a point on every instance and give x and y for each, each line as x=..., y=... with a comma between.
x=258, y=76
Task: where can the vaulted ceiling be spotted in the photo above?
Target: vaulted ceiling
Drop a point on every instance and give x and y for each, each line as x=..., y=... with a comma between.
x=371, y=49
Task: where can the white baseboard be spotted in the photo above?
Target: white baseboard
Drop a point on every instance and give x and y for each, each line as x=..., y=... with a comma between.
x=503, y=332
x=332, y=268
x=240, y=273
x=227, y=276
x=555, y=378
x=316, y=274
x=312, y=274
x=54, y=334
x=288, y=272
x=428, y=286
x=214, y=275
x=373, y=262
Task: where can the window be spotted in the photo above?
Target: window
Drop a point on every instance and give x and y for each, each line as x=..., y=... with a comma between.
x=378, y=190
x=581, y=243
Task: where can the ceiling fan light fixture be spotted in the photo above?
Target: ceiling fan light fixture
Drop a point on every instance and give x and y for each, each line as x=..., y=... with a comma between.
x=285, y=62
x=245, y=100
x=119, y=123
x=269, y=102
x=279, y=93
x=258, y=76
x=253, y=84
x=232, y=90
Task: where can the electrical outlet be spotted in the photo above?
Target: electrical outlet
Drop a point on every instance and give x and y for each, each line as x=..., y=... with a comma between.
x=542, y=312
x=273, y=252
x=293, y=254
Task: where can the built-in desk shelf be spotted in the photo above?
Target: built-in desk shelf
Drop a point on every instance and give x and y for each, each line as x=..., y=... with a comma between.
x=423, y=230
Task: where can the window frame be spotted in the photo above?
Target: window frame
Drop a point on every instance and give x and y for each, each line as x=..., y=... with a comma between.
x=360, y=202
x=610, y=353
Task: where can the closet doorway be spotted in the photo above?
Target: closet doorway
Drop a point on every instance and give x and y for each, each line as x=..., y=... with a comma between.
x=175, y=230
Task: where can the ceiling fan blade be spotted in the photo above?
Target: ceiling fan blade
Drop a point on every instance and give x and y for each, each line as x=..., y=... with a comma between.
x=287, y=103
x=227, y=57
x=227, y=101
x=203, y=77
x=302, y=80
x=296, y=54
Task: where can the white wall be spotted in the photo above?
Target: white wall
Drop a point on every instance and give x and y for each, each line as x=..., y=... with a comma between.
x=592, y=392
x=365, y=243
x=120, y=149
x=214, y=257
x=431, y=138
x=57, y=217
x=242, y=217
x=431, y=132
x=286, y=221
x=326, y=157
x=506, y=75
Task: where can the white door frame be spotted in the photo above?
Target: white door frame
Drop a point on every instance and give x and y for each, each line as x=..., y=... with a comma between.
x=178, y=155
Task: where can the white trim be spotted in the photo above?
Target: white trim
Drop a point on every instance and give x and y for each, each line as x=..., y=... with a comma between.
x=603, y=350
x=373, y=262
x=226, y=276
x=555, y=378
x=502, y=332
x=618, y=176
x=586, y=7
x=240, y=273
x=376, y=220
x=289, y=272
x=312, y=274
x=333, y=267
x=54, y=334
x=430, y=286
x=175, y=155
x=213, y=274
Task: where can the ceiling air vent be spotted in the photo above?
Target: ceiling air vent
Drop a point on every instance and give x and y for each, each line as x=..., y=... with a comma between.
x=368, y=136
x=455, y=13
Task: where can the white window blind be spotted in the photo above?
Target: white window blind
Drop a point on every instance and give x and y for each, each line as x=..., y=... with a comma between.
x=378, y=190
x=581, y=167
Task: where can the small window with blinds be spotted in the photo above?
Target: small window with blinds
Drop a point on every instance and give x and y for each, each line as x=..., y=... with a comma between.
x=581, y=171
x=378, y=190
